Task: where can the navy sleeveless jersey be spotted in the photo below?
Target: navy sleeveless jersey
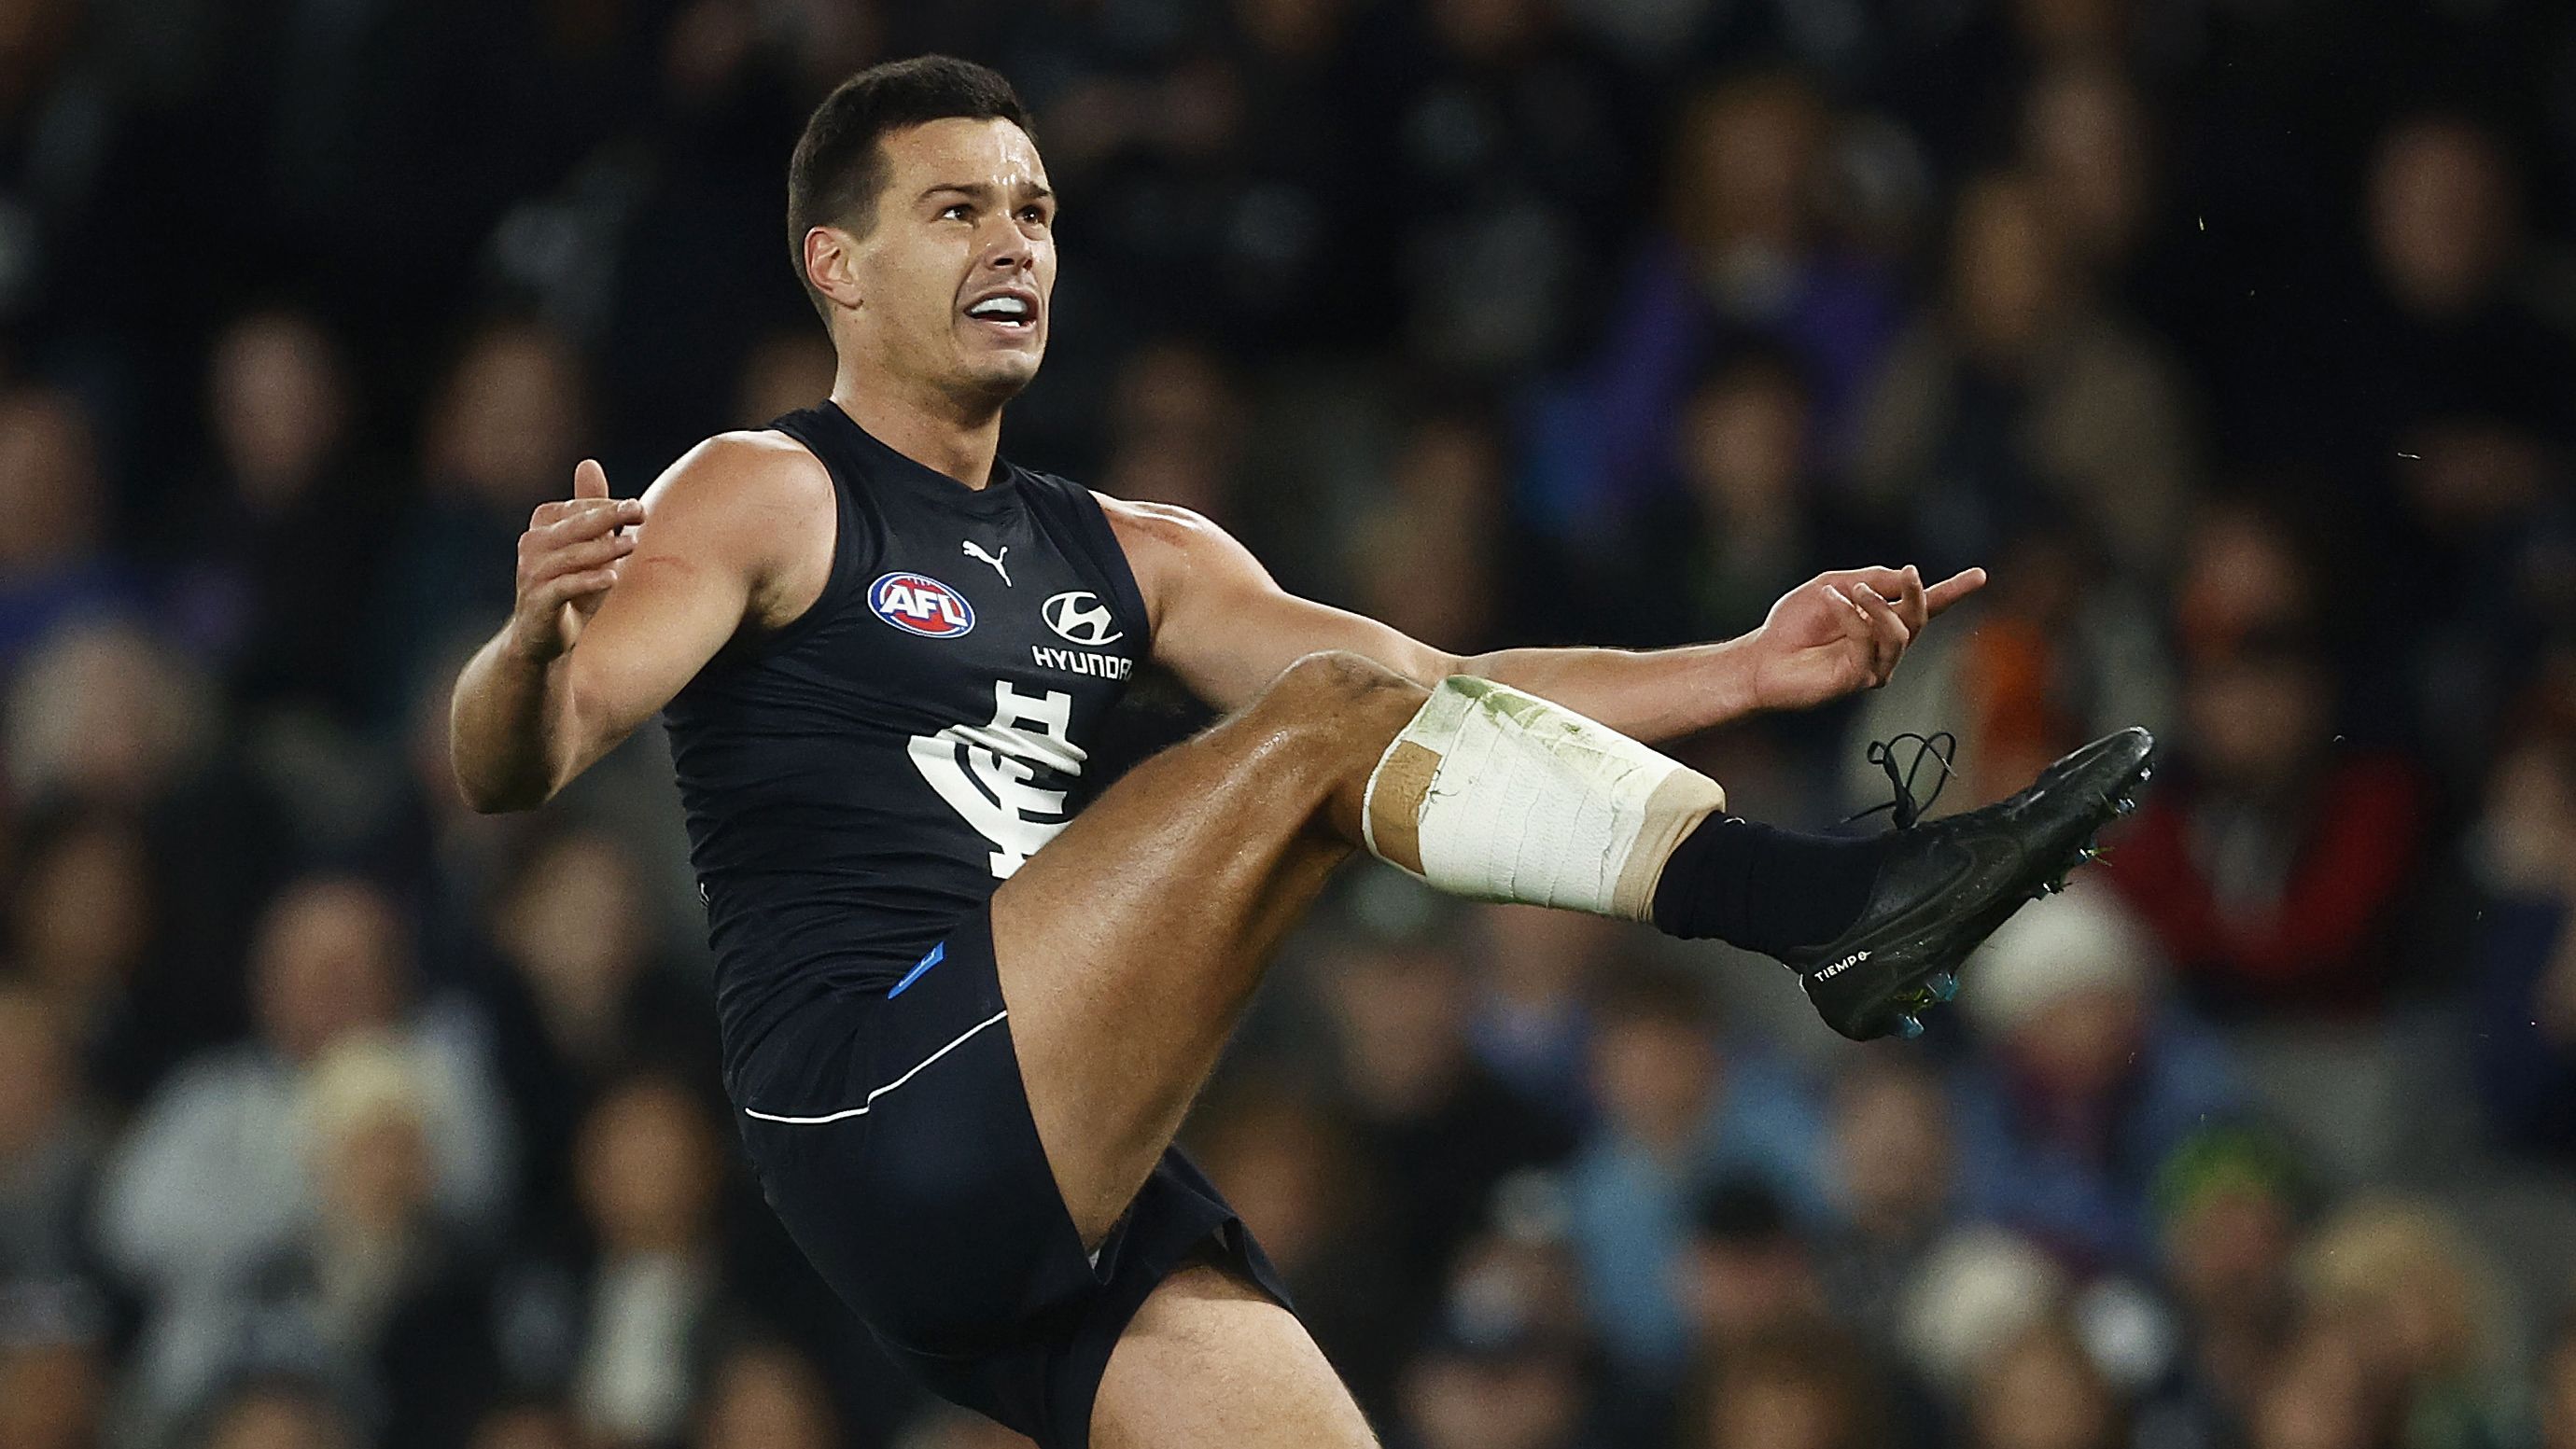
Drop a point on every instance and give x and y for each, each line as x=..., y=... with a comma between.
x=858, y=780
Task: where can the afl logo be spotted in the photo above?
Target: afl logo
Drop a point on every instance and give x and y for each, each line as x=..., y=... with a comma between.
x=920, y=604
x=1082, y=618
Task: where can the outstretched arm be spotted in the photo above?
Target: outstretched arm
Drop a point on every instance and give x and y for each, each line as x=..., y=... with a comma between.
x=620, y=603
x=1226, y=628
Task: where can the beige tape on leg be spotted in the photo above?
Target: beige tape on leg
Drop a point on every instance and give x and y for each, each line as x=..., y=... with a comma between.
x=1501, y=796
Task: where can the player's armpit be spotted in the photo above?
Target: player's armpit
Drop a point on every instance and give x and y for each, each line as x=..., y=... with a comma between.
x=1225, y=627
x=737, y=534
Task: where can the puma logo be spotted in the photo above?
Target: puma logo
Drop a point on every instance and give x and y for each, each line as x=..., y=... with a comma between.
x=995, y=559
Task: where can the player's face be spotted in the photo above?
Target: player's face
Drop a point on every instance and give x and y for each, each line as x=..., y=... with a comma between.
x=955, y=278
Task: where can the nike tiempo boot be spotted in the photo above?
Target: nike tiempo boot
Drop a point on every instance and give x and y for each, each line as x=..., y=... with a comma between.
x=1947, y=884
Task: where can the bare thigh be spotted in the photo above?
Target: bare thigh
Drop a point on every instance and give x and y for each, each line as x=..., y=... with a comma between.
x=1211, y=1360
x=1129, y=945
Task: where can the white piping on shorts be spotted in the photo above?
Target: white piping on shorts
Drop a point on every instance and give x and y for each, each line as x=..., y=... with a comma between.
x=861, y=1110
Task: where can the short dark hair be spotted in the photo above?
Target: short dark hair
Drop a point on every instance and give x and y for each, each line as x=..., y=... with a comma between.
x=839, y=166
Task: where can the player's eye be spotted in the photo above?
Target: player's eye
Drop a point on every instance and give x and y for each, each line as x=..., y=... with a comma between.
x=955, y=209
x=1035, y=216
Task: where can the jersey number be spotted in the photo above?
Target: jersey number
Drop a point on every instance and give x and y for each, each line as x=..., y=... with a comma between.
x=985, y=772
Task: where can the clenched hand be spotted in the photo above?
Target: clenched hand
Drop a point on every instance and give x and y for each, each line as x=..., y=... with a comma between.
x=568, y=561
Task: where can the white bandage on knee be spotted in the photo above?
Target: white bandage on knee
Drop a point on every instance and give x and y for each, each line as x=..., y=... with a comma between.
x=1501, y=796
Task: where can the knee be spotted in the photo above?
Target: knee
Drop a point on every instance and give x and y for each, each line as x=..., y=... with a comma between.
x=1330, y=707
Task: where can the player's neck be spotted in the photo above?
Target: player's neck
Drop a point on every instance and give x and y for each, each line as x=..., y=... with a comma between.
x=935, y=432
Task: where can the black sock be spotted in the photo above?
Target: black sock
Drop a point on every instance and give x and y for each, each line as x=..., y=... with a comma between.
x=1762, y=888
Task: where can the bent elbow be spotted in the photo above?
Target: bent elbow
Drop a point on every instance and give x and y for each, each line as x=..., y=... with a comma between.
x=489, y=791
x=484, y=799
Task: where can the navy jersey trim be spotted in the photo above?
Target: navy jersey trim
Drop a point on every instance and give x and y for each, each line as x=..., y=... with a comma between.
x=848, y=525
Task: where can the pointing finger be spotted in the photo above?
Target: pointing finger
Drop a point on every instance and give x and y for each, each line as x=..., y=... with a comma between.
x=589, y=480
x=1954, y=588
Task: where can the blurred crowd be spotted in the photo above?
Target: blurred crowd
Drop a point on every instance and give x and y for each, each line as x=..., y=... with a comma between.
x=2237, y=337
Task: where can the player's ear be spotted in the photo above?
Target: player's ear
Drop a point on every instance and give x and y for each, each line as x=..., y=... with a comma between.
x=831, y=264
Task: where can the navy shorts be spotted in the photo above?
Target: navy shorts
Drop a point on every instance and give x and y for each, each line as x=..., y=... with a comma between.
x=891, y=1134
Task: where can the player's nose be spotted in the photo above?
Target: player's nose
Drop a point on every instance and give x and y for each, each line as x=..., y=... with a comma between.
x=1010, y=250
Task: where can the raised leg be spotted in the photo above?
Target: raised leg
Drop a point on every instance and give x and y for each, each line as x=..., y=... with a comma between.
x=1130, y=944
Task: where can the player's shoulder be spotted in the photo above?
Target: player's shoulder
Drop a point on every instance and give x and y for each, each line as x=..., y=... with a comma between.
x=743, y=472
x=1173, y=550
x=751, y=457
x=747, y=496
x=1158, y=525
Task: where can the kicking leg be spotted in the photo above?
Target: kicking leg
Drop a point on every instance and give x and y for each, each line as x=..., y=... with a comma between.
x=1129, y=945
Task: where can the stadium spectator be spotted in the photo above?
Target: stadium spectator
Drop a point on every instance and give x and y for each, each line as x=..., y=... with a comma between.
x=1494, y=1386
x=530, y=1424
x=1764, y=524
x=85, y=938
x=2525, y=1001
x=2228, y=1203
x=2088, y=1084
x=500, y=438
x=2476, y=312
x=50, y=1141
x=2272, y=860
x=289, y=527
x=211, y=1181
x=1978, y=1292
x=1677, y=1117
x=57, y=561
x=53, y=1386
x=2084, y=137
x=655, y=1294
x=376, y=1291
x=2556, y=1390
x=1894, y=1189
x=103, y=712
x=2419, y=1302
x=580, y=998
x=1175, y=428
x=765, y=1396
x=1428, y=553
x=278, y=1412
x=2044, y=1392
x=2023, y=395
x=2323, y=1395
x=1799, y=1386
x=1506, y=132
x=1747, y=1269
x=108, y=729
x=1534, y=982
x=1432, y=1129
x=1738, y=258
x=2488, y=521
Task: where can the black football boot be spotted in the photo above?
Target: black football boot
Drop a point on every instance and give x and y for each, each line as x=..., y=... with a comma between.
x=1946, y=884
